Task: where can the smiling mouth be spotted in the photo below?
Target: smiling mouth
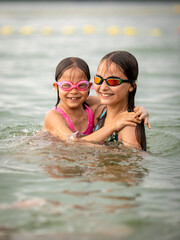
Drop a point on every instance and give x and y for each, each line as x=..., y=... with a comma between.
x=73, y=98
x=106, y=94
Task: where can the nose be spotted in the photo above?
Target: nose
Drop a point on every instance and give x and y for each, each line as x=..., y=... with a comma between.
x=74, y=90
x=104, y=85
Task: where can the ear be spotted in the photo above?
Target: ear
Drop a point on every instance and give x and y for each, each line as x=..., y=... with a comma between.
x=132, y=87
x=90, y=85
x=55, y=85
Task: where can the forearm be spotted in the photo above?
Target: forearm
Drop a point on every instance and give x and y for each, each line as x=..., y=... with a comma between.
x=99, y=135
x=61, y=132
x=127, y=119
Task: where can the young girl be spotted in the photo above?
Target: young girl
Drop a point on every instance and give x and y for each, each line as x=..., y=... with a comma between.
x=74, y=111
x=115, y=85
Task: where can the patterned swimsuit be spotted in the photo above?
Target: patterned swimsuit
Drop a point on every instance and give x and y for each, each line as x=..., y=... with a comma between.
x=114, y=136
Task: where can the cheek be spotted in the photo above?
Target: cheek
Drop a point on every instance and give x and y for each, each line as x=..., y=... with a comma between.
x=85, y=93
x=62, y=93
x=123, y=88
x=96, y=87
x=122, y=93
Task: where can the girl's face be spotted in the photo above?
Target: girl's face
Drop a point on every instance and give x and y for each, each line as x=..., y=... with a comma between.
x=112, y=95
x=73, y=98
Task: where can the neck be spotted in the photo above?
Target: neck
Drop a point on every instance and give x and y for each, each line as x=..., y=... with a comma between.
x=71, y=111
x=114, y=110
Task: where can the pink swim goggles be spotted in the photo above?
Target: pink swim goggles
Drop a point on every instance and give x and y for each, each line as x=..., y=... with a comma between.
x=68, y=86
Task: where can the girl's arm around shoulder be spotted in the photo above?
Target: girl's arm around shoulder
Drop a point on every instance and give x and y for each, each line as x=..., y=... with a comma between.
x=56, y=124
x=117, y=124
x=93, y=102
x=128, y=137
x=99, y=135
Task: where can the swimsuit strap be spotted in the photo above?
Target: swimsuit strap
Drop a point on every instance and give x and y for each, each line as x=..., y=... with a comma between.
x=70, y=124
x=114, y=136
x=90, y=125
x=65, y=116
x=101, y=116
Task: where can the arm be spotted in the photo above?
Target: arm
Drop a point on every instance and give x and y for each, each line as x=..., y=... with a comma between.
x=128, y=137
x=140, y=112
x=93, y=102
x=56, y=125
x=122, y=120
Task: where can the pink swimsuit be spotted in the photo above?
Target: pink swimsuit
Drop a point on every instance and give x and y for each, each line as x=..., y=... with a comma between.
x=70, y=124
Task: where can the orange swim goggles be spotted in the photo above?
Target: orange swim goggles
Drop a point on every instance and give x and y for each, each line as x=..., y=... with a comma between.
x=111, y=81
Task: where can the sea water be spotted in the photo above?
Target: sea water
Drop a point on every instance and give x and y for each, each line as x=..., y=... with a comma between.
x=50, y=189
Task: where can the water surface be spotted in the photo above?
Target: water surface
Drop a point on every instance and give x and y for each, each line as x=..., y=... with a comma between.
x=50, y=189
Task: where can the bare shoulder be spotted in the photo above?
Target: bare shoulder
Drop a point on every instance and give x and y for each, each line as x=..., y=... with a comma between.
x=51, y=113
x=128, y=136
x=52, y=118
x=92, y=100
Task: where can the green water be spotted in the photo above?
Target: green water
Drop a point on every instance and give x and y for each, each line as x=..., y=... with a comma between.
x=50, y=189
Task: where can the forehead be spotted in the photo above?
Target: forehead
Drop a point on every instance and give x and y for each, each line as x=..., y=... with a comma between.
x=107, y=68
x=73, y=74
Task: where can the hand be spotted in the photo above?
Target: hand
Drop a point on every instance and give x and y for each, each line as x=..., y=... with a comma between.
x=125, y=119
x=142, y=114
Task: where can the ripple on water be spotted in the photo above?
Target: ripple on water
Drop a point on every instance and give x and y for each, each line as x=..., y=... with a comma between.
x=165, y=144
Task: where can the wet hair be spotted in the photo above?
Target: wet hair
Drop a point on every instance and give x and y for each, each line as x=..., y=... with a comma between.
x=67, y=63
x=127, y=62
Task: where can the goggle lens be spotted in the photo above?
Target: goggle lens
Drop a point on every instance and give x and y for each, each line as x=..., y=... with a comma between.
x=114, y=82
x=110, y=81
x=97, y=80
x=67, y=86
x=83, y=85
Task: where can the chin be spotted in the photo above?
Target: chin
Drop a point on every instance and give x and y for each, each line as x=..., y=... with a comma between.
x=105, y=102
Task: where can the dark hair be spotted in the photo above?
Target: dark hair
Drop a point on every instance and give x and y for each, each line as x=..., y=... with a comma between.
x=67, y=63
x=128, y=63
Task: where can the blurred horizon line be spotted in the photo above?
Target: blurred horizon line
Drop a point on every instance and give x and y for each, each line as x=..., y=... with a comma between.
x=158, y=1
